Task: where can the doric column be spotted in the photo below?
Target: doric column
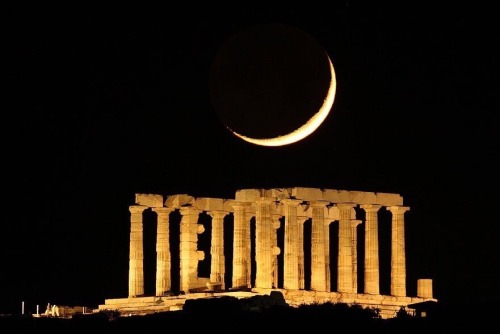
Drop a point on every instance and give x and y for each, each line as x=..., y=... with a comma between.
x=300, y=244
x=241, y=246
x=217, y=267
x=372, y=269
x=189, y=255
x=291, y=245
x=327, y=254
x=318, y=263
x=275, y=249
x=398, y=256
x=354, y=224
x=263, y=245
x=345, y=264
x=136, y=252
x=163, y=259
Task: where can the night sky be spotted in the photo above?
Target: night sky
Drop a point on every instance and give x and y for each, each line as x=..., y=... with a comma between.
x=101, y=102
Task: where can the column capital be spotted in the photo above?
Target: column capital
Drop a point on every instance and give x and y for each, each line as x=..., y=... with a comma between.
x=163, y=211
x=189, y=210
x=217, y=214
x=355, y=222
x=265, y=200
x=319, y=204
x=291, y=201
x=398, y=209
x=370, y=207
x=345, y=206
x=240, y=205
x=137, y=208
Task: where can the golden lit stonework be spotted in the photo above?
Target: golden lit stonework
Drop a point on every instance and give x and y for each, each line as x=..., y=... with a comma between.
x=265, y=211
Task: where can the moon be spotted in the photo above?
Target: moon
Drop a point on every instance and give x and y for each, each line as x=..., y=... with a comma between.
x=272, y=85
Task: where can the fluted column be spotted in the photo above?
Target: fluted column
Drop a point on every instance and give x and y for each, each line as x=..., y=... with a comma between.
x=163, y=259
x=345, y=264
x=398, y=256
x=291, y=245
x=372, y=269
x=275, y=249
x=217, y=267
x=327, y=254
x=354, y=224
x=300, y=244
x=189, y=254
x=318, y=263
x=263, y=245
x=241, y=246
x=136, y=252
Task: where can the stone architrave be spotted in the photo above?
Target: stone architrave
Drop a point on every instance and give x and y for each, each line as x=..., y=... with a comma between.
x=217, y=267
x=318, y=247
x=163, y=258
x=398, y=255
x=263, y=243
x=354, y=224
x=189, y=255
x=372, y=269
x=345, y=263
x=136, y=252
x=291, y=245
x=241, y=246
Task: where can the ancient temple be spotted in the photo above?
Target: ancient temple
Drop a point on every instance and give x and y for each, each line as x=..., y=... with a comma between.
x=264, y=260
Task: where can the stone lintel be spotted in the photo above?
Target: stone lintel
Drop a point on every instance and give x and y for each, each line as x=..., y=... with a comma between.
x=248, y=195
x=307, y=194
x=386, y=199
x=213, y=204
x=149, y=200
x=279, y=193
x=177, y=201
x=345, y=196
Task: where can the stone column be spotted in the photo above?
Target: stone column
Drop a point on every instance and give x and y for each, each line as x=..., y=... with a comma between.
x=318, y=263
x=263, y=245
x=354, y=224
x=136, y=252
x=372, y=269
x=217, y=267
x=291, y=245
x=189, y=255
x=398, y=256
x=345, y=264
x=327, y=254
x=241, y=246
x=163, y=259
x=424, y=288
x=275, y=249
x=300, y=244
x=248, y=248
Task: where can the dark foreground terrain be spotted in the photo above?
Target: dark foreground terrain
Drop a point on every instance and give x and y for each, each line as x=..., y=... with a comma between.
x=229, y=317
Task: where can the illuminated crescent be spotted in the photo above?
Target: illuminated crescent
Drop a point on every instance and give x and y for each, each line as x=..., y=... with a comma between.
x=305, y=130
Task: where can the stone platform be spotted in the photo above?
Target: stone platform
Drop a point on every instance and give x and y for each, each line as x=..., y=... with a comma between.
x=388, y=305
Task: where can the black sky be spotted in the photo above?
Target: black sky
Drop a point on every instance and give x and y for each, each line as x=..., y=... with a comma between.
x=102, y=102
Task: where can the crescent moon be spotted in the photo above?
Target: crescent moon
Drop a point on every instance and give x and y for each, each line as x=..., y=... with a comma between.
x=309, y=127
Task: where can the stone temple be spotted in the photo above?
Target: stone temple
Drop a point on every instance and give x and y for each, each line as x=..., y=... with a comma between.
x=297, y=262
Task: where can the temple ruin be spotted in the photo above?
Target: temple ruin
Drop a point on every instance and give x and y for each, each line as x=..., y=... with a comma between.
x=296, y=262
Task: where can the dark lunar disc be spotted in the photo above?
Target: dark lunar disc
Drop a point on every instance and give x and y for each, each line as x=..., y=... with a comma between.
x=269, y=80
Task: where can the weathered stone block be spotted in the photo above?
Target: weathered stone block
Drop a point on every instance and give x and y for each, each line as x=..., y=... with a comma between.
x=307, y=194
x=388, y=199
x=149, y=200
x=176, y=201
x=248, y=195
x=209, y=204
